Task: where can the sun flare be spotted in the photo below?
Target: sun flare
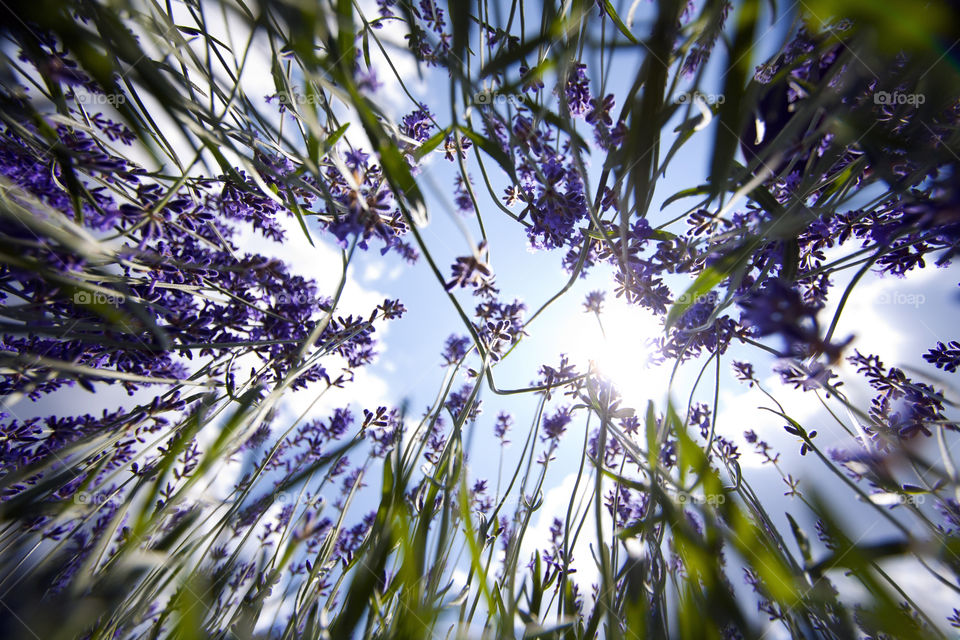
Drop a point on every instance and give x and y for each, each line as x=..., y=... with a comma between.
x=618, y=346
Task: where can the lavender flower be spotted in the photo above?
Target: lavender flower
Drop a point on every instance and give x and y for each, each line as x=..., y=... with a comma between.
x=577, y=90
x=555, y=425
x=594, y=302
x=944, y=357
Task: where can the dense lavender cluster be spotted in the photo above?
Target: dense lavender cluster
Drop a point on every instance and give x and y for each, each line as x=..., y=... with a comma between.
x=902, y=407
x=944, y=356
x=168, y=297
x=362, y=207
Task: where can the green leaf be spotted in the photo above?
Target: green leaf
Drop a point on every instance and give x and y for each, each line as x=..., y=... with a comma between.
x=345, y=34
x=898, y=25
x=733, y=113
x=431, y=143
x=617, y=21
x=460, y=18
x=802, y=541
x=537, y=586
x=685, y=193
x=641, y=149
x=709, y=278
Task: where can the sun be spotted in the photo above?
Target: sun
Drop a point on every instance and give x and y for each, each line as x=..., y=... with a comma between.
x=618, y=346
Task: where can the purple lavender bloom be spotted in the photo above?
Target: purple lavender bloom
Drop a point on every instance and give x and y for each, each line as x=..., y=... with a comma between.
x=432, y=15
x=555, y=425
x=455, y=349
x=744, y=372
x=903, y=408
x=461, y=196
x=417, y=125
x=594, y=302
x=470, y=271
x=457, y=402
x=356, y=159
x=577, y=90
x=776, y=309
x=599, y=117
x=531, y=83
x=502, y=426
x=384, y=7
x=946, y=357
x=558, y=205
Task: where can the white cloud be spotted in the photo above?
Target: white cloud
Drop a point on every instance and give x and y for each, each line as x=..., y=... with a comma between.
x=395, y=273
x=882, y=300
x=323, y=264
x=373, y=271
x=556, y=501
x=391, y=97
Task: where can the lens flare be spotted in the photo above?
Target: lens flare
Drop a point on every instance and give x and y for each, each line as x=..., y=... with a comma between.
x=618, y=346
